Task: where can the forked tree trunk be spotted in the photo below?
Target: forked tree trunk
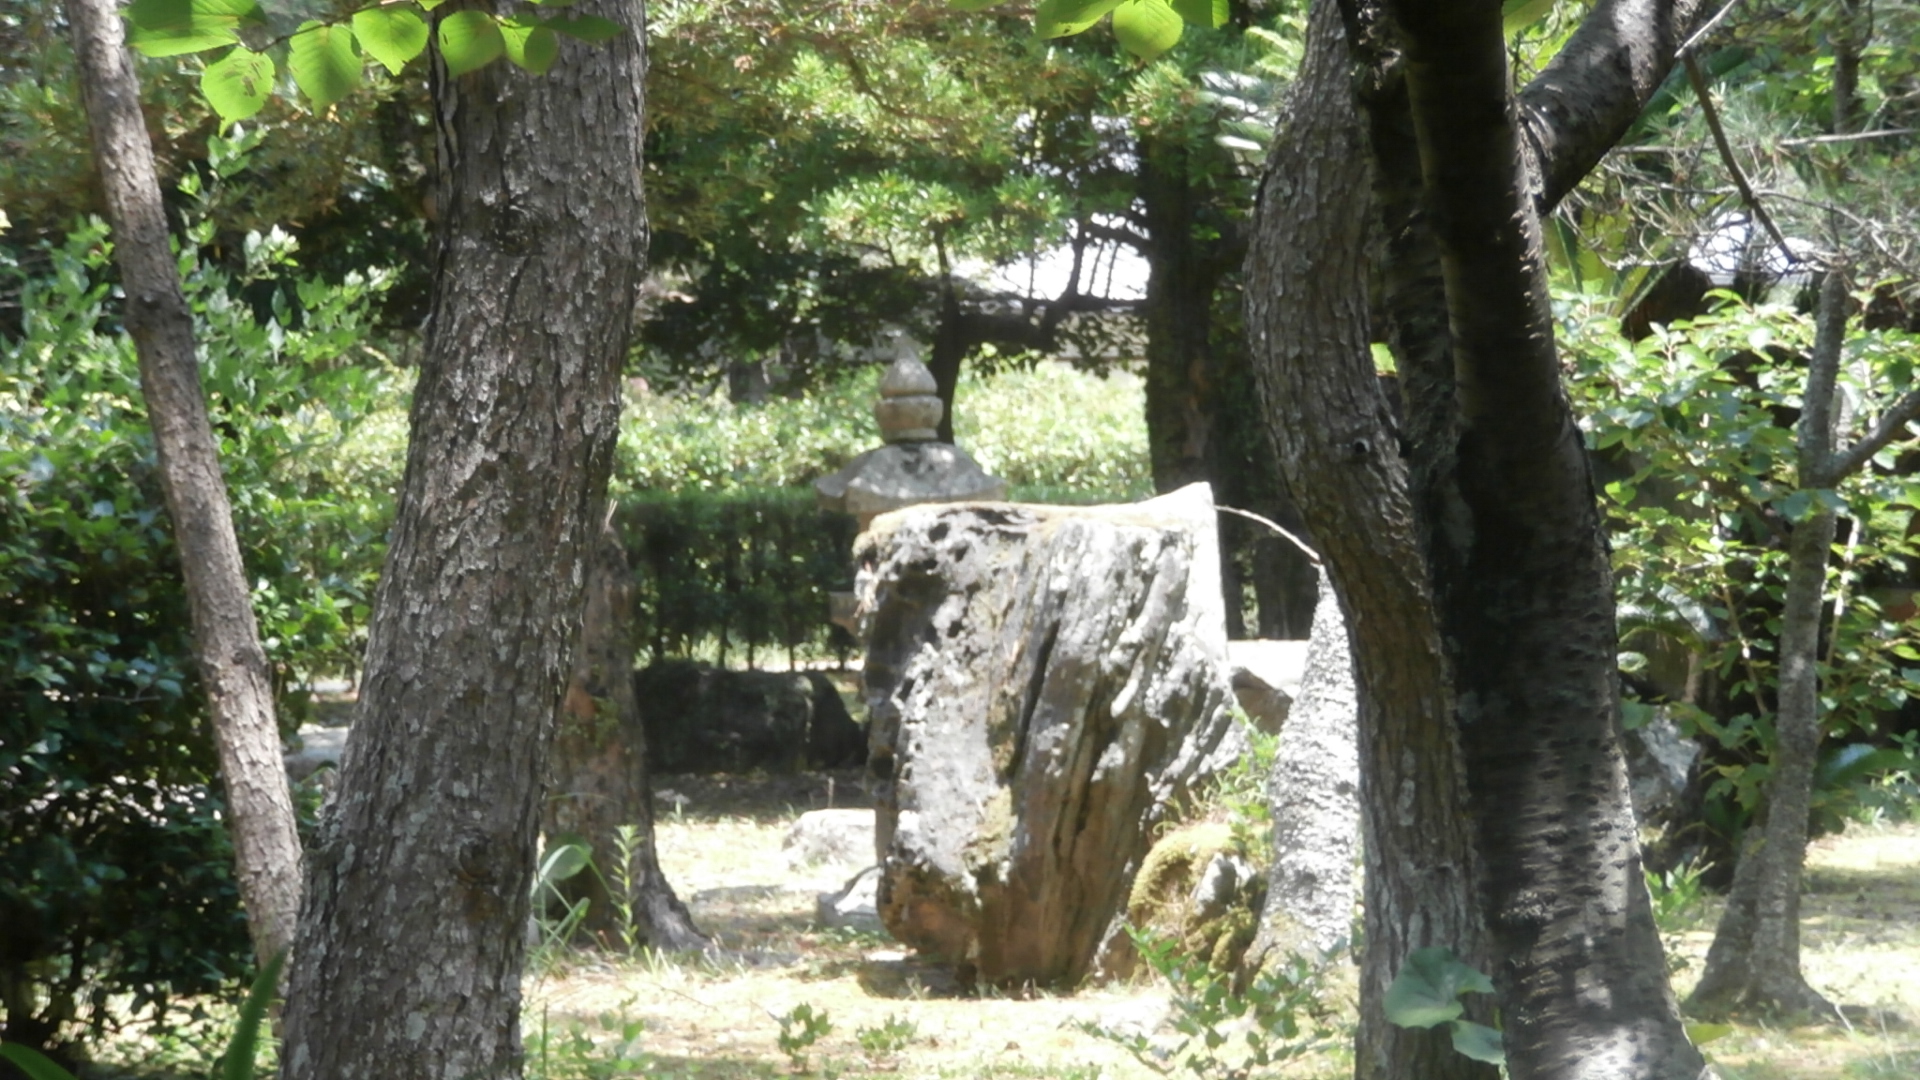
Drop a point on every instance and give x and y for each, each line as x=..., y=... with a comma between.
x=411, y=944
x=1307, y=320
x=226, y=639
x=599, y=772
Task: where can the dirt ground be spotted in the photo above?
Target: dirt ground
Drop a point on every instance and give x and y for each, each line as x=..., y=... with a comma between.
x=720, y=844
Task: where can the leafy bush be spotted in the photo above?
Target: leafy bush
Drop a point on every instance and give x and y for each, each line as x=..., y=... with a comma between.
x=1050, y=429
x=114, y=868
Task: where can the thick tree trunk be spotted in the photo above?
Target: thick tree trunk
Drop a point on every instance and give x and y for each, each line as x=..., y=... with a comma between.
x=226, y=638
x=1524, y=591
x=1314, y=795
x=411, y=949
x=1307, y=320
x=1754, y=962
x=599, y=770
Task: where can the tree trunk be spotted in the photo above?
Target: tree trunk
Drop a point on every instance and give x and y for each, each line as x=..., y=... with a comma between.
x=226, y=638
x=1314, y=793
x=411, y=949
x=1178, y=314
x=599, y=770
x=1307, y=301
x=1754, y=962
x=1513, y=543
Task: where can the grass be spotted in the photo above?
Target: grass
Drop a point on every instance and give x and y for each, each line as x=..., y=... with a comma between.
x=590, y=1016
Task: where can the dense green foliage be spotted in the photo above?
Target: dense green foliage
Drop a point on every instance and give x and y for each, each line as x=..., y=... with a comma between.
x=1691, y=428
x=115, y=875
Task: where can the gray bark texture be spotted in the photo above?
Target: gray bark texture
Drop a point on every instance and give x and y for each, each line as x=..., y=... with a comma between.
x=1314, y=795
x=226, y=638
x=1043, y=682
x=599, y=769
x=411, y=944
x=1307, y=316
x=1753, y=965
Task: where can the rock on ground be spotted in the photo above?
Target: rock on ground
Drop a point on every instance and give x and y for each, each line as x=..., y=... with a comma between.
x=1043, y=682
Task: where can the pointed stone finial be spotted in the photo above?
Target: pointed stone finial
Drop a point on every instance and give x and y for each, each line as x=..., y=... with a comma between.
x=909, y=408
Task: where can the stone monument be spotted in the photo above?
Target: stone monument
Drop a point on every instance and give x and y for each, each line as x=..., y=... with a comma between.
x=913, y=466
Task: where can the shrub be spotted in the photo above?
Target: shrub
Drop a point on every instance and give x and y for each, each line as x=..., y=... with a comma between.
x=114, y=869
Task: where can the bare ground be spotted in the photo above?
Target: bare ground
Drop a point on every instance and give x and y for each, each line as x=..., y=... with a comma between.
x=719, y=1017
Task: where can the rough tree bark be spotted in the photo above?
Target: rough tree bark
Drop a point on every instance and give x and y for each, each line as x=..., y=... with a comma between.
x=226, y=639
x=599, y=767
x=1313, y=793
x=1307, y=295
x=410, y=949
x=1489, y=529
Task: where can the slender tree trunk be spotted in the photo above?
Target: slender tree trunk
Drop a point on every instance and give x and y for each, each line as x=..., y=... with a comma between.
x=1180, y=375
x=1307, y=297
x=226, y=638
x=411, y=950
x=1753, y=964
x=599, y=769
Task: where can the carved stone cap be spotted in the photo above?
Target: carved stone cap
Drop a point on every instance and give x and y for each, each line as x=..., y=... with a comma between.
x=909, y=408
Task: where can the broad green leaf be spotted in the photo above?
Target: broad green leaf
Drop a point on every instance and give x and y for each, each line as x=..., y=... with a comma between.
x=529, y=45
x=1427, y=990
x=238, y=84
x=1702, y=1034
x=391, y=34
x=561, y=862
x=1479, y=1042
x=469, y=41
x=1146, y=28
x=586, y=27
x=1064, y=18
x=1518, y=15
x=323, y=63
x=237, y=1063
x=176, y=27
x=1209, y=13
x=35, y=1064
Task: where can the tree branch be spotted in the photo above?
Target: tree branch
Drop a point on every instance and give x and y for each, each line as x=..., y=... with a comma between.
x=1892, y=424
x=1577, y=109
x=1705, y=96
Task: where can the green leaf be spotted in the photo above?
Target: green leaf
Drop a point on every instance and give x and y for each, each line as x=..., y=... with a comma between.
x=1479, y=1042
x=35, y=1064
x=323, y=63
x=586, y=27
x=1064, y=18
x=469, y=41
x=1427, y=990
x=392, y=34
x=238, y=84
x=238, y=1063
x=176, y=27
x=529, y=45
x=1518, y=15
x=1146, y=28
x=1702, y=1034
x=1208, y=13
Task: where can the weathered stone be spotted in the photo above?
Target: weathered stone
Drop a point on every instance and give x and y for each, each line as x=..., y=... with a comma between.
x=1043, y=681
x=1266, y=679
x=1659, y=763
x=830, y=836
x=316, y=748
x=1314, y=793
x=705, y=719
x=906, y=474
